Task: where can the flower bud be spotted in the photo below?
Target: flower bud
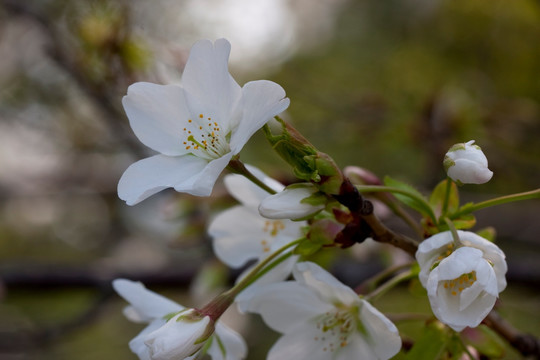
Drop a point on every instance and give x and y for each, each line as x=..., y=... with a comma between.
x=465, y=163
x=296, y=202
x=182, y=336
x=361, y=176
x=308, y=163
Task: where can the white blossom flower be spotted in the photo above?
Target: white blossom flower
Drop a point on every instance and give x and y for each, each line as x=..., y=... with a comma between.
x=289, y=204
x=465, y=163
x=463, y=281
x=322, y=319
x=196, y=127
x=241, y=234
x=177, y=338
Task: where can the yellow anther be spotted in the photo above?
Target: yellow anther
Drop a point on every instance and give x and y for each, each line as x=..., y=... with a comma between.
x=201, y=116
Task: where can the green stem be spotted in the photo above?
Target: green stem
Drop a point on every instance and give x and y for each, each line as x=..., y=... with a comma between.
x=373, y=281
x=453, y=230
x=534, y=194
x=275, y=263
x=238, y=167
x=387, y=286
x=390, y=201
x=446, y=196
x=391, y=189
x=254, y=273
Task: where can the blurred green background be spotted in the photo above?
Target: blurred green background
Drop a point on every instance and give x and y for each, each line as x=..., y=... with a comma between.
x=386, y=85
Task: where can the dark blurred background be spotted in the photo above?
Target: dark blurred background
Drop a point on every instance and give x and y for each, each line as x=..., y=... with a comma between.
x=386, y=85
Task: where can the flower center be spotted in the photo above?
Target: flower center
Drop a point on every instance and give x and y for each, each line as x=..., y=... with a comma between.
x=335, y=328
x=459, y=284
x=204, y=138
x=272, y=227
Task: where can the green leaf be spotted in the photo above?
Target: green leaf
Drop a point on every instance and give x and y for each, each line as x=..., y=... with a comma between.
x=412, y=197
x=438, y=195
x=486, y=341
x=464, y=222
x=431, y=344
x=488, y=233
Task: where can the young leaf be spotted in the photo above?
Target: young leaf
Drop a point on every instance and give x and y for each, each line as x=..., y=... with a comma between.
x=439, y=194
x=485, y=340
x=410, y=197
x=431, y=344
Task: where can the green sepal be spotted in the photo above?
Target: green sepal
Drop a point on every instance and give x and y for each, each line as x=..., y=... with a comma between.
x=315, y=199
x=448, y=163
x=422, y=207
x=436, y=199
x=432, y=344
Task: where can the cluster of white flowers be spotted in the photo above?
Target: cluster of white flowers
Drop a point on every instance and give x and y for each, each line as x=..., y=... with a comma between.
x=198, y=128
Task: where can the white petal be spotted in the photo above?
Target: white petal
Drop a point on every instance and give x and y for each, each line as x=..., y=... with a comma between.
x=357, y=348
x=237, y=234
x=299, y=343
x=324, y=284
x=383, y=334
x=490, y=251
x=428, y=252
x=202, y=182
x=286, y=304
x=462, y=261
x=156, y=114
x=234, y=344
x=279, y=273
x=137, y=344
x=447, y=306
x=287, y=204
x=246, y=191
x=261, y=101
x=151, y=175
x=469, y=172
x=210, y=89
x=147, y=303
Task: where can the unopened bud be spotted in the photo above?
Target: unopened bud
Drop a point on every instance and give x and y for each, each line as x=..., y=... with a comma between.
x=465, y=163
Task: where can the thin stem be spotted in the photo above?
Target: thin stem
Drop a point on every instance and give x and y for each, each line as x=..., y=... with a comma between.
x=453, y=230
x=390, y=201
x=371, y=283
x=534, y=194
x=391, y=189
x=238, y=167
x=446, y=196
x=248, y=279
x=387, y=286
x=269, y=267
